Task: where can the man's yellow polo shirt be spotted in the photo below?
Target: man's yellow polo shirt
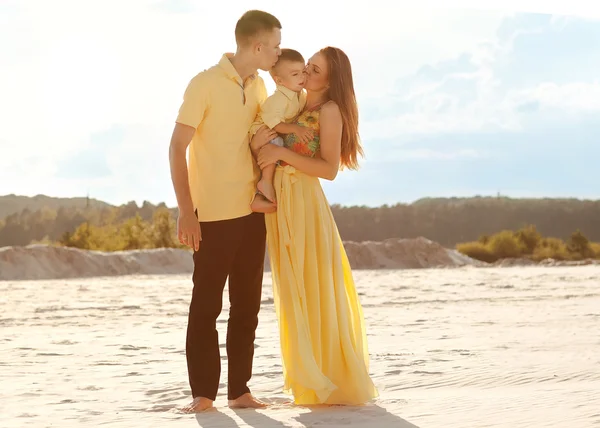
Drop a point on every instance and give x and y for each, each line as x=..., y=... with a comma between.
x=222, y=171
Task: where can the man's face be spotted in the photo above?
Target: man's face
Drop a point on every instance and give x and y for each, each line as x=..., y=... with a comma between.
x=267, y=50
x=291, y=75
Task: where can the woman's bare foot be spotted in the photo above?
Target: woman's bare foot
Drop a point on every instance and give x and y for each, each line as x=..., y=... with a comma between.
x=266, y=188
x=247, y=401
x=200, y=404
x=260, y=204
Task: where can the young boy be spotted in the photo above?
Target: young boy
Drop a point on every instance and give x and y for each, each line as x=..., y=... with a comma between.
x=277, y=112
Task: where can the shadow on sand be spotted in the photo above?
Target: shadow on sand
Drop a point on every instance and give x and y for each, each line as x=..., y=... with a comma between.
x=370, y=415
x=250, y=417
x=215, y=418
x=367, y=416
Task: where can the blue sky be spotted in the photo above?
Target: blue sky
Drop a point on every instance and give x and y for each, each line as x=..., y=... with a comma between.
x=453, y=102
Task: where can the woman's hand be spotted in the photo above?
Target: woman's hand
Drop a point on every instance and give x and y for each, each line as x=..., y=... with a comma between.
x=304, y=134
x=261, y=138
x=269, y=155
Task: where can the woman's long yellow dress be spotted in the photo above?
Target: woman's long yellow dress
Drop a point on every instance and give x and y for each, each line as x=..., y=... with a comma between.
x=322, y=329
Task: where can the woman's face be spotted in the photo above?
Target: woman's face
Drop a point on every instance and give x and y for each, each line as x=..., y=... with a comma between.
x=317, y=73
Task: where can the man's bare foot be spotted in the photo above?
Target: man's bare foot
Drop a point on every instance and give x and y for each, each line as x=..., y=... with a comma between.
x=247, y=401
x=200, y=404
x=261, y=205
x=266, y=188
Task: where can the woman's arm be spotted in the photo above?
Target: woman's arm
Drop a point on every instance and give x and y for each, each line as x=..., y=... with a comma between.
x=328, y=165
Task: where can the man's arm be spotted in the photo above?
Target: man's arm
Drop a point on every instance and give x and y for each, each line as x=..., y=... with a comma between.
x=191, y=113
x=180, y=140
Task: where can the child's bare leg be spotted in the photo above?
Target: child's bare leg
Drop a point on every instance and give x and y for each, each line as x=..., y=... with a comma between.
x=265, y=185
x=260, y=204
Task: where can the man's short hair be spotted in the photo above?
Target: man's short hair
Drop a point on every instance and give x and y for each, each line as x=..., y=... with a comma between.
x=252, y=23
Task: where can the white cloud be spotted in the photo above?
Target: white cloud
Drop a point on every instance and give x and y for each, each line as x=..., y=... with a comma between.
x=429, y=154
x=77, y=68
x=472, y=94
x=74, y=68
x=575, y=97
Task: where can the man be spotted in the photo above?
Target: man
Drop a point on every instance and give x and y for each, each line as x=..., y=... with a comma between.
x=215, y=219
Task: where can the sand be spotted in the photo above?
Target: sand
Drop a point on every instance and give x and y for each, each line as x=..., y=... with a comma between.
x=465, y=347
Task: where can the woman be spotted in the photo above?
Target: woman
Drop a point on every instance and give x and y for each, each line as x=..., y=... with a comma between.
x=322, y=331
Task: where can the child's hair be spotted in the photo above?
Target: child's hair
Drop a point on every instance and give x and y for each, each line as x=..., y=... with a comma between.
x=287, y=55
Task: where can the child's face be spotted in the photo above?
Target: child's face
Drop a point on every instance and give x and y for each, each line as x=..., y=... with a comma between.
x=291, y=75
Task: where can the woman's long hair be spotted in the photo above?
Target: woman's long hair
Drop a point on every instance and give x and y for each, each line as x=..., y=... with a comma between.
x=341, y=91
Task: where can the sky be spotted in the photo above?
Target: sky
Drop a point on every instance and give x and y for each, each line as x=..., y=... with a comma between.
x=477, y=98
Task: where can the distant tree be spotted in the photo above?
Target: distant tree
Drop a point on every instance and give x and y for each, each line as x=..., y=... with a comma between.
x=449, y=221
x=505, y=245
x=134, y=233
x=529, y=238
x=164, y=229
x=81, y=237
x=484, y=239
x=551, y=248
x=579, y=246
x=65, y=239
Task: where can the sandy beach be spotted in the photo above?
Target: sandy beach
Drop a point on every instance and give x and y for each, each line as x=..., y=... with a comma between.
x=464, y=347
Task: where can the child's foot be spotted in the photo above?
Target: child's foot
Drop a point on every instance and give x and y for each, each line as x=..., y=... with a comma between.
x=266, y=188
x=260, y=204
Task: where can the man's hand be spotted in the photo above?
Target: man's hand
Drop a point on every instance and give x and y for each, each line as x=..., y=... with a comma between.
x=188, y=230
x=261, y=138
x=304, y=134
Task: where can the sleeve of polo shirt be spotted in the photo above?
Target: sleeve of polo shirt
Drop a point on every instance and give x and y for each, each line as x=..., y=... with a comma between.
x=195, y=102
x=262, y=96
x=262, y=90
x=273, y=110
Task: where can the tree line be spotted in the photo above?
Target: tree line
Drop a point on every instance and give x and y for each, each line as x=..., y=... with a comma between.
x=96, y=228
x=449, y=221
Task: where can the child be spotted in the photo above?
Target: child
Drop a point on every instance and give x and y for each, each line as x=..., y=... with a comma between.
x=277, y=112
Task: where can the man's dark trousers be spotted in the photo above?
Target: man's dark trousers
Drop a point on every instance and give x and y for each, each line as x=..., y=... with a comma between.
x=233, y=249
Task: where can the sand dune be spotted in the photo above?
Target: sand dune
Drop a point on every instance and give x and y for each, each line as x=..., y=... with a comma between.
x=47, y=262
x=404, y=254
x=451, y=348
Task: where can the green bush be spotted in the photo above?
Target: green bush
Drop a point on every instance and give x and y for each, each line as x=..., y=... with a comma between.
x=551, y=248
x=529, y=238
x=505, y=245
x=477, y=251
x=595, y=247
x=579, y=246
x=133, y=233
x=528, y=242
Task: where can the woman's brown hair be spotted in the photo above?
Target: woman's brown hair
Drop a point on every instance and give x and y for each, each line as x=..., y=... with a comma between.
x=341, y=91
